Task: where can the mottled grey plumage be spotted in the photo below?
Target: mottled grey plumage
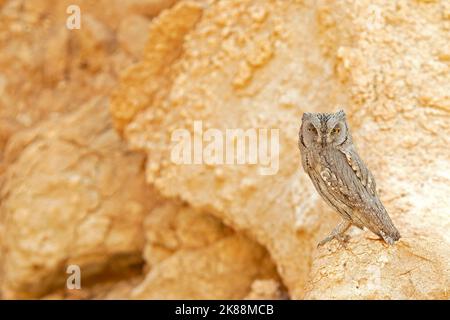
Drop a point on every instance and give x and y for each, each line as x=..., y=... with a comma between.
x=340, y=176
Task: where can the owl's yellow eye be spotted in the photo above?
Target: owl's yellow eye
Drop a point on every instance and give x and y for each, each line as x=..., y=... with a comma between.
x=336, y=130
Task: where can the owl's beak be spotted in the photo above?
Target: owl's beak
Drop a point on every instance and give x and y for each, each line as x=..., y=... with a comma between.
x=321, y=139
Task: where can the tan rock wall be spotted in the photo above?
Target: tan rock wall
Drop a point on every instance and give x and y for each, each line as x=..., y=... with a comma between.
x=207, y=83
x=72, y=195
x=193, y=255
x=398, y=80
x=47, y=69
x=141, y=226
x=261, y=64
x=72, y=192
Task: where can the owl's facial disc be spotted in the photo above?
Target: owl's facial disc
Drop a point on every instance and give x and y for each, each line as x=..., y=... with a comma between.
x=321, y=130
x=336, y=129
x=310, y=132
x=336, y=134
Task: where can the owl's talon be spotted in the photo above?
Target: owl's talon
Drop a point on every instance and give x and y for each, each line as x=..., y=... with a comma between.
x=338, y=233
x=341, y=238
x=321, y=243
x=345, y=238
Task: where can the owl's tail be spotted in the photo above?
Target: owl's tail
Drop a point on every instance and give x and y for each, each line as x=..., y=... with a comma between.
x=389, y=233
x=383, y=225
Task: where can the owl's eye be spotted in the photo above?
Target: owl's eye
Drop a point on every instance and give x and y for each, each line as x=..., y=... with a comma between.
x=336, y=130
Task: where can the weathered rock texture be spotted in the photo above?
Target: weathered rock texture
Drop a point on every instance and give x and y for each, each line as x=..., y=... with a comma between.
x=204, y=83
x=47, y=69
x=395, y=65
x=72, y=195
x=109, y=289
x=260, y=64
x=73, y=192
x=193, y=255
x=267, y=290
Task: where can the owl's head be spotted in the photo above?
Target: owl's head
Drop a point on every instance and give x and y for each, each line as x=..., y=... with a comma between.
x=320, y=130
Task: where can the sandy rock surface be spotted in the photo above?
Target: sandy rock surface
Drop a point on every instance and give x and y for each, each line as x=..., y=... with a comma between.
x=72, y=195
x=47, y=69
x=267, y=206
x=193, y=255
x=262, y=63
x=398, y=80
x=88, y=177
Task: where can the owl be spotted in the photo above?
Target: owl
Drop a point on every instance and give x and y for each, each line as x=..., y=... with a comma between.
x=341, y=177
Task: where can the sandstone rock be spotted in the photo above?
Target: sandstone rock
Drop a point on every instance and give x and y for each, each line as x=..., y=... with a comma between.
x=112, y=12
x=114, y=290
x=266, y=290
x=38, y=57
x=416, y=268
x=72, y=194
x=223, y=270
x=47, y=69
x=192, y=255
x=132, y=34
x=398, y=88
x=63, y=70
x=189, y=255
x=277, y=210
x=173, y=226
x=111, y=289
x=150, y=8
x=170, y=28
x=260, y=64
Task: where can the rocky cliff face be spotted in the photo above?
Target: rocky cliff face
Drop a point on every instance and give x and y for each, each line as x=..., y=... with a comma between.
x=73, y=191
x=73, y=195
x=260, y=64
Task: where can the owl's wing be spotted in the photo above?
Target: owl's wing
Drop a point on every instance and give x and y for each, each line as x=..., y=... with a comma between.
x=353, y=184
x=361, y=171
